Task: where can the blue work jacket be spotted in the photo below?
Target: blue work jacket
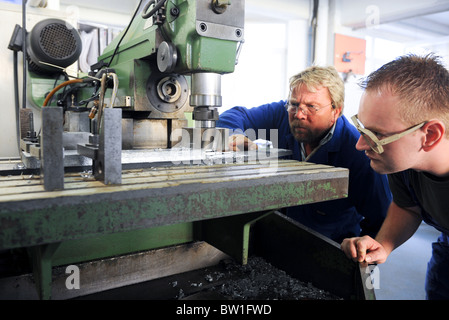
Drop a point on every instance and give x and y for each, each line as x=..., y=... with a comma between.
x=369, y=196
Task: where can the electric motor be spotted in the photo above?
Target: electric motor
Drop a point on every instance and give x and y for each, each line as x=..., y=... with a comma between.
x=52, y=42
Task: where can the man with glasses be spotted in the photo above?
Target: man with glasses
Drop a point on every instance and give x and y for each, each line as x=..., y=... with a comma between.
x=310, y=124
x=403, y=120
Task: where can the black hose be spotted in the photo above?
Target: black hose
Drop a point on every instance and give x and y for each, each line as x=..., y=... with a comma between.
x=124, y=33
x=16, y=100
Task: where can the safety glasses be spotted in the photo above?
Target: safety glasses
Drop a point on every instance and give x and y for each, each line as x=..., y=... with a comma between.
x=377, y=144
x=294, y=107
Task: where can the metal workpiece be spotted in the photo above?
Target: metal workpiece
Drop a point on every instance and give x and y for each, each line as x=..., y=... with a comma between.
x=213, y=139
x=105, y=148
x=108, y=166
x=158, y=196
x=132, y=159
x=26, y=123
x=52, y=157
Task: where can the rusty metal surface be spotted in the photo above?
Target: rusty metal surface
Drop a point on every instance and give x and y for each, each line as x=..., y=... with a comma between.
x=30, y=216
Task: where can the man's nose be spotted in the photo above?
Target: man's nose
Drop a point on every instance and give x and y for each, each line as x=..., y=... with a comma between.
x=300, y=114
x=361, y=144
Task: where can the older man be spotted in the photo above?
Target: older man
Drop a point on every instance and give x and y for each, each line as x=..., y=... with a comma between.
x=310, y=123
x=404, y=121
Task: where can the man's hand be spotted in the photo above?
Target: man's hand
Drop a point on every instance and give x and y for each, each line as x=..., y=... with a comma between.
x=365, y=248
x=239, y=142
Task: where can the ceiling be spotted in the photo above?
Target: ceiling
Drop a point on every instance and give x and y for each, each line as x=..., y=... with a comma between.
x=120, y=6
x=427, y=28
x=400, y=20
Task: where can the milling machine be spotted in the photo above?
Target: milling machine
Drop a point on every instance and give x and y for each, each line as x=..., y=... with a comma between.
x=165, y=65
x=147, y=212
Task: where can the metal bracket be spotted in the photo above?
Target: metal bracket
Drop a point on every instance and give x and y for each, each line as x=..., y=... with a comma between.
x=106, y=149
x=108, y=165
x=52, y=157
x=230, y=234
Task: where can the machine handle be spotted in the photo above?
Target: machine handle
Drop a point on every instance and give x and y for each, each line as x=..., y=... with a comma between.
x=156, y=8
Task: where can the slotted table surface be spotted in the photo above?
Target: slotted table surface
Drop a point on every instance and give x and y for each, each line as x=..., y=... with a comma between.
x=157, y=196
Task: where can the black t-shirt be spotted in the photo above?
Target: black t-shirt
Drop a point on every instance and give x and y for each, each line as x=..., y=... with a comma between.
x=431, y=192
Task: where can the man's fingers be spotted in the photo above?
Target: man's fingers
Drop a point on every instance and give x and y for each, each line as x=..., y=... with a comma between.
x=361, y=250
x=349, y=248
x=240, y=143
x=252, y=146
x=358, y=249
x=364, y=249
x=376, y=256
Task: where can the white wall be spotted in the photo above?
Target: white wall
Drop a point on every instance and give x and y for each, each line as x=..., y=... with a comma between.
x=10, y=15
x=271, y=54
x=388, y=35
x=275, y=48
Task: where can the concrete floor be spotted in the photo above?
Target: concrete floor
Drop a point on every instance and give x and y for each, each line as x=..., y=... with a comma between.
x=402, y=276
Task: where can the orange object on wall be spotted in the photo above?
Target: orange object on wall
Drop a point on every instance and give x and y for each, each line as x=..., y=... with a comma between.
x=349, y=54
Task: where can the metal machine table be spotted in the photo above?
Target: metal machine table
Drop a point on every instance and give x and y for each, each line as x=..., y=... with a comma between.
x=165, y=203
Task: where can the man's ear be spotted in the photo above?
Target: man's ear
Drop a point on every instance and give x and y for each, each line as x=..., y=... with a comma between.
x=338, y=112
x=435, y=131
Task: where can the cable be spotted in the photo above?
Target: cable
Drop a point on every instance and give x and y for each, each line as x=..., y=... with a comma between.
x=124, y=33
x=17, y=103
x=114, y=89
x=24, y=51
x=101, y=102
x=62, y=85
x=156, y=8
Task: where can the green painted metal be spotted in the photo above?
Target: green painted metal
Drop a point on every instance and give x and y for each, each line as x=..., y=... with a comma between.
x=45, y=257
x=62, y=228
x=195, y=53
x=108, y=245
x=230, y=234
x=64, y=219
x=41, y=259
x=134, y=61
x=38, y=87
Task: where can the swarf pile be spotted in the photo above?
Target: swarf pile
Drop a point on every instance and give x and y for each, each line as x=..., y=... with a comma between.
x=259, y=280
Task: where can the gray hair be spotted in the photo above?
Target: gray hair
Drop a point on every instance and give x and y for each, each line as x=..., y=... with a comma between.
x=314, y=77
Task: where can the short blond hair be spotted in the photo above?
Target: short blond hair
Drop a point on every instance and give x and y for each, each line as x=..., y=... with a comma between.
x=315, y=76
x=420, y=82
